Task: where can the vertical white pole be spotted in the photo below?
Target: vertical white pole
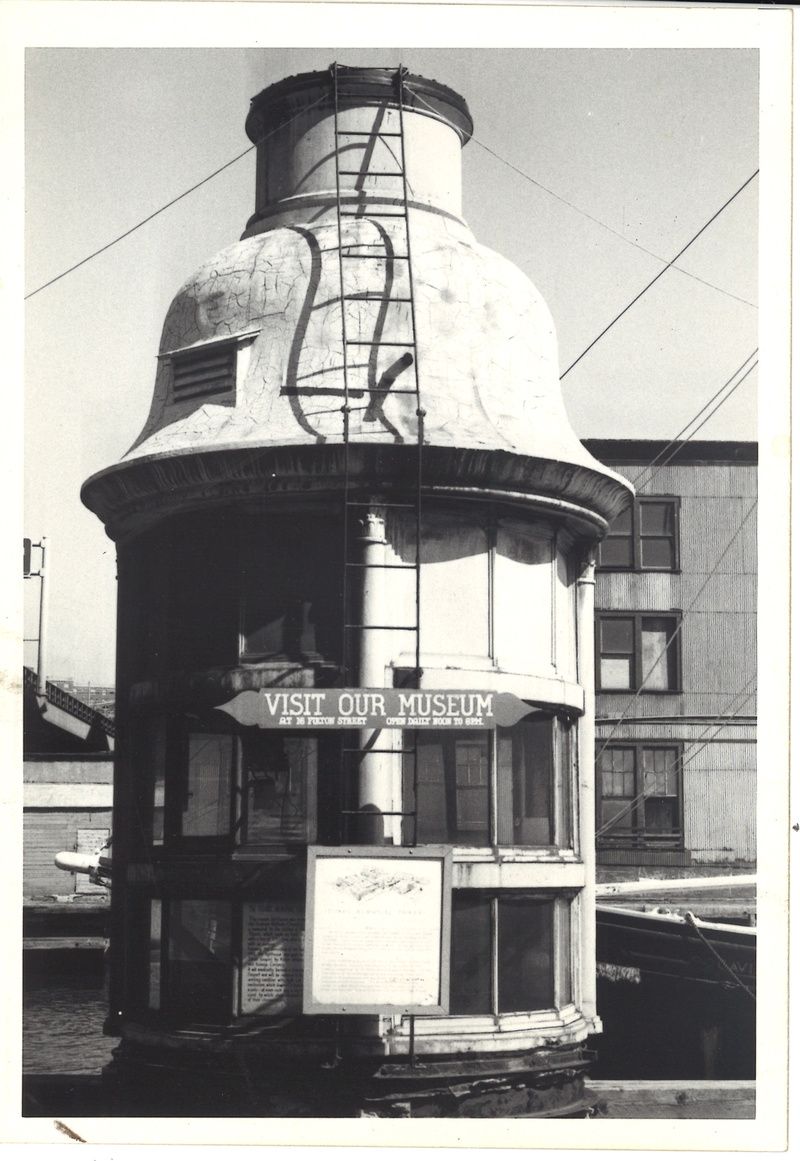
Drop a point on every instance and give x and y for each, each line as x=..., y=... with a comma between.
x=586, y=801
x=41, y=663
x=375, y=769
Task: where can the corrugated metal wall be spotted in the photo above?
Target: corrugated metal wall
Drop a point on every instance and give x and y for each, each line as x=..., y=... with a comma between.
x=45, y=833
x=719, y=795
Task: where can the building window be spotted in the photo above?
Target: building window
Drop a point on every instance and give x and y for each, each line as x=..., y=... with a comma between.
x=639, y=796
x=644, y=537
x=290, y=609
x=201, y=782
x=506, y=952
x=198, y=968
x=204, y=810
x=279, y=787
x=525, y=770
x=154, y=957
x=638, y=651
x=206, y=370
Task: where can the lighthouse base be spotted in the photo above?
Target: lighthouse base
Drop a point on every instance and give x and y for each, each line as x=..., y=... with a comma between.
x=236, y=1082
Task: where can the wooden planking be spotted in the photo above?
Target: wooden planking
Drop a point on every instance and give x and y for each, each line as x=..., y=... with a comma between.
x=678, y=1100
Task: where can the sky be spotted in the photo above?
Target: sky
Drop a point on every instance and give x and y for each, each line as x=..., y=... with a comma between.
x=649, y=141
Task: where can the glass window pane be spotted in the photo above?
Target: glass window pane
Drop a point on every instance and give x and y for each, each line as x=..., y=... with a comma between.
x=616, y=815
x=617, y=784
x=506, y=788
x=199, y=958
x=206, y=809
x=563, y=952
x=472, y=787
x=616, y=552
x=431, y=799
x=154, y=957
x=452, y=793
x=660, y=771
x=534, y=826
x=202, y=618
x=616, y=635
x=657, y=552
x=279, y=778
x=661, y=815
x=470, y=956
x=655, y=518
x=525, y=752
x=525, y=954
x=150, y=751
x=616, y=673
x=565, y=766
x=658, y=660
x=617, y=758
x=289, y=607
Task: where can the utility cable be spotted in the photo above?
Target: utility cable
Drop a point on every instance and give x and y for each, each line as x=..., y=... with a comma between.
x=743, y=694
x=611, y=230
x=585, y=213
x=660, y=274
x=654, y=462
x=686, y=758
x=173, y=201
x=710, y=415
x=678, y=628
x=690, y=919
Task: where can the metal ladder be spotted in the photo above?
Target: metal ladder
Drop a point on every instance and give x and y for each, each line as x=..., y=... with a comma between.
x=377, y=252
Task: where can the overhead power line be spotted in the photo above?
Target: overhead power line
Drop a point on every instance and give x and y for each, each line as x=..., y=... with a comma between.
x=742, y=696
x=591, y=217
x=678, y=628
x=168, y=204
x=610, y=229
x=676, y=439
x=660, y=274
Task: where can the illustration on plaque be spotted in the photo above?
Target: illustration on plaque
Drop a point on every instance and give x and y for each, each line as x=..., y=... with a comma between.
x=372, y=881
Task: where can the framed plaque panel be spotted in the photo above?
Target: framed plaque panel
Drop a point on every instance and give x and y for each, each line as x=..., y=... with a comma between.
x=378, y=930
x=271, y=977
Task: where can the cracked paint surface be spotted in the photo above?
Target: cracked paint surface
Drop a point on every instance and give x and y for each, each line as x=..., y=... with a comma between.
x=320, y=320
x=485, y=344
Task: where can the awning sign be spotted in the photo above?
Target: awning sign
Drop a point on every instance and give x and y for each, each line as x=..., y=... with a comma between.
x=375, y=709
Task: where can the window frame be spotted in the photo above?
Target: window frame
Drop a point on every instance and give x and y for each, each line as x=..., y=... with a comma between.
x=561, y=936
x=175, y=729
x=241, y=814
x=167, y=1005
x=638, y=616
x=175, y=787
x=561, y=789
x=638, y=838
x=636, y=536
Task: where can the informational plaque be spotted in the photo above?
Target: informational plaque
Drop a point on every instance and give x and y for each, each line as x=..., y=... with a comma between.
x=377, y=930
x=272, y=963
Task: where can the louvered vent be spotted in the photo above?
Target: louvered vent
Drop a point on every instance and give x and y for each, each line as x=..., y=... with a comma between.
x=207, y=371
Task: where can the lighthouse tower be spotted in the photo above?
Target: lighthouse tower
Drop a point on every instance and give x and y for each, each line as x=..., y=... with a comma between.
x=356, y=528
